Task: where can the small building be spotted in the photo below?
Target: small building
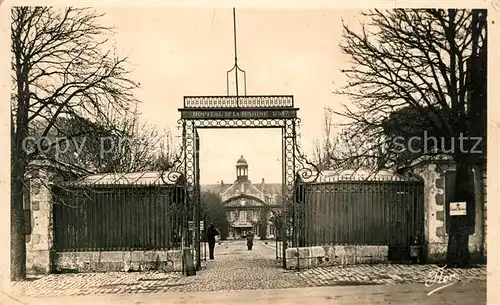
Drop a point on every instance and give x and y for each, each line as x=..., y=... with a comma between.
x=249, y=207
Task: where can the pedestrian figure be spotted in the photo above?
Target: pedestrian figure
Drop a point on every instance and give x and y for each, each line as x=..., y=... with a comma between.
x=211, y=233
x=249, y=240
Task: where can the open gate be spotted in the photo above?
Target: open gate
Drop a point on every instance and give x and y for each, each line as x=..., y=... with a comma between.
x=239, y=112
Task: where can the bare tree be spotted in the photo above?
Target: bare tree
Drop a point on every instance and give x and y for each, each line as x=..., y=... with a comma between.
x=166, y=154
x=129, y=146
x=135, y=147
x=432, y=62
x=324, y=151
x=60, y=70
x=343, y=150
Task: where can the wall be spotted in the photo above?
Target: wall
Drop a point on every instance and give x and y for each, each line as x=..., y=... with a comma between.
x=436, y=238
x=309, y=257
x=96, y=261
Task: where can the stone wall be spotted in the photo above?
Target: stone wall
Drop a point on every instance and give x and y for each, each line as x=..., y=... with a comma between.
x=309, y=257
x=436, y=238
x=95, y=261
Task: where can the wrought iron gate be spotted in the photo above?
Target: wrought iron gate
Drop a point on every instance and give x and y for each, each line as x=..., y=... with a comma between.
x=240, y=112
x=343, y=210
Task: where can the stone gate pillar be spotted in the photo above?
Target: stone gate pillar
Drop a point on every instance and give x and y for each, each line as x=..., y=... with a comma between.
x=434, y=227
x=39, y=242
x=436, y=237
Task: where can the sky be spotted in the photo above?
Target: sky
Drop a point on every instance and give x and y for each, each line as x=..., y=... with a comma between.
x=177, y=52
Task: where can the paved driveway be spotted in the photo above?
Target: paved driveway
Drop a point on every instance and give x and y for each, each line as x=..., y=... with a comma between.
x=405, y=294
x=234, y=268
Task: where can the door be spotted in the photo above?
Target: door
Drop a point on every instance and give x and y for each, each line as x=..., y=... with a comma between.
x=398, y=219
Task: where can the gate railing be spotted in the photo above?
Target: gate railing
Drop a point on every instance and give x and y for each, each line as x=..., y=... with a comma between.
x=360, y=212
x=356, y=213
x=114, y=218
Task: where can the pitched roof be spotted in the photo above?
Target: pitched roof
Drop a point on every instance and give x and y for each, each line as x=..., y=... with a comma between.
x=245, y=187
x=270, y=188
x=361, y=174
x=234, y=188
x=137, y=178
x=215, y=188
x=61, y=172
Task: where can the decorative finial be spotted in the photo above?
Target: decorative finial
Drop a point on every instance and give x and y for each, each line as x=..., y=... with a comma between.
x=236, y=68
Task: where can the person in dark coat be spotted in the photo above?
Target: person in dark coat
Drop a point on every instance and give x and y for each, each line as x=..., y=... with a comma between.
x=250, y=240
x=211, y=233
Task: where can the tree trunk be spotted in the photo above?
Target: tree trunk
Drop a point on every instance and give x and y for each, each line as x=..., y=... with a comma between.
x=18, y=238
x=460, y=226
x=458, y=235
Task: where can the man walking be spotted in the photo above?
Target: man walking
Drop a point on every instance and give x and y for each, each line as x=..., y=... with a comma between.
x=211, y=233
x=250, y=240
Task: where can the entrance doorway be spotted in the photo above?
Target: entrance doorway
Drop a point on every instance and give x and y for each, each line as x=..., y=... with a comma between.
x=241, y=232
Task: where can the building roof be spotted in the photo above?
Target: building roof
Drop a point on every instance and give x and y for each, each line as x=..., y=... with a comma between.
x=361, y=175
x=266, y=188
x=241, y=161
x=137, y=178
x=57, y=165
x=425, y=160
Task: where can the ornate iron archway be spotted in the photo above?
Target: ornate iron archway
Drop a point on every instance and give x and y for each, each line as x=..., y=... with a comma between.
x=247, y=111
x=240, y=112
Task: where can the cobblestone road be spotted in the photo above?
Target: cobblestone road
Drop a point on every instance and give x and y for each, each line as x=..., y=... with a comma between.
x=234, y=268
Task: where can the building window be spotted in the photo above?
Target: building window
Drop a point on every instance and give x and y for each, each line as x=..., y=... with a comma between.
x=243, y=215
